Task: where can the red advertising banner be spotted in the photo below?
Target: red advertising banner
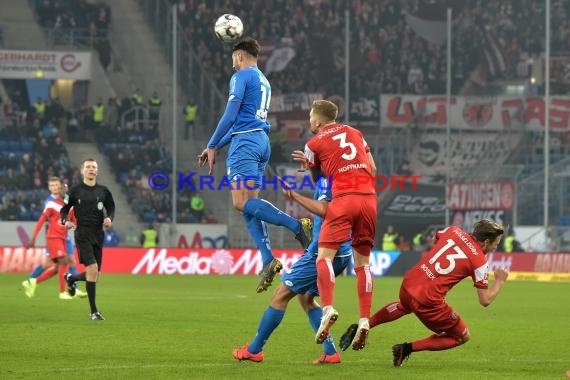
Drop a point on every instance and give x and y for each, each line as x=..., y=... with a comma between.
x=481, y=196
x=546, y=262
x=481, y=113
x=178, y=261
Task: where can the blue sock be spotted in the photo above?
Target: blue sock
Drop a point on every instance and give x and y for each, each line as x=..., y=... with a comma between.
x=265, y=211
x=37, y=271
x=73, y=270
x=269, y=322
x=315, y=316
x=258, y=232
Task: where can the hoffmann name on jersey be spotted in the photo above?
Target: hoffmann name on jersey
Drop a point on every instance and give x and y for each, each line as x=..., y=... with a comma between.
x=341, y=152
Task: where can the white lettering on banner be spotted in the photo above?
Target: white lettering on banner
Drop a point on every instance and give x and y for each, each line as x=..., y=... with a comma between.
x=481, y=113
x=505, y=262
x=191, y=264
x=467, y=219
x=221, y=262
x=429, y=155
x=247, y=262
x=20, y=259
x=476, y=195
x=559, y=263
x=23, y=64
x=379, y=263
x=403, y=203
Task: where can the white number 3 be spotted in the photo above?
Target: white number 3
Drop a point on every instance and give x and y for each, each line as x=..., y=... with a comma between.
x=459, y=254
x=345, y=144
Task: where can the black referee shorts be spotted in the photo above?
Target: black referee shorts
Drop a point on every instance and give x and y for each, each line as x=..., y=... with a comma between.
x=89, y=246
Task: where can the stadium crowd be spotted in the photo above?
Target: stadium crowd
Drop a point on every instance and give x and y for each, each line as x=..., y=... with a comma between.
x=387, y=55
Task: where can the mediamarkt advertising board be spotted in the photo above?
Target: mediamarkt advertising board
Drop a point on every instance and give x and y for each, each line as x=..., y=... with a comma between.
x=170, y=261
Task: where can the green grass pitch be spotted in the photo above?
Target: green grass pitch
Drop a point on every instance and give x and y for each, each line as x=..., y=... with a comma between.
x=181, y=327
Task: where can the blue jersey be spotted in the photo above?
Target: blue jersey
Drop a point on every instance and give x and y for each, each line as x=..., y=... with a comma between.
x=247, y=107
x=324, y=193
x=301, y=278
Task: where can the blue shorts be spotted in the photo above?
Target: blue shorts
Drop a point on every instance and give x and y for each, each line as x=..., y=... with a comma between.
x=301, y=278
x=69, y=247
x=248, y=156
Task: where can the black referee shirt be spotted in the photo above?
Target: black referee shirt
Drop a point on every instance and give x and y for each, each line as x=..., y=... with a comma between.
x=91, y=205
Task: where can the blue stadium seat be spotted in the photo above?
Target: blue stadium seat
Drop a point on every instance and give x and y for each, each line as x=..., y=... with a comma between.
x=564, y=220
x=14, y=146
x=149, y=217
x=3, y=146
x=26, y=215
x=27, y=146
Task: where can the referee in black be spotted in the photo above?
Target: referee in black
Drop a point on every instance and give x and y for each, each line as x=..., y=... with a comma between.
x=94, y=209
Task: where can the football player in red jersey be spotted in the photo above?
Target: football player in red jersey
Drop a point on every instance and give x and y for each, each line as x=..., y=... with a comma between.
x=56, y=235
x=339, y=152
x=454, y=256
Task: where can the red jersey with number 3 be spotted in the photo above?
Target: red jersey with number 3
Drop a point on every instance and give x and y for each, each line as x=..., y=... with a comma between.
x=341, y=153
x=455, y=256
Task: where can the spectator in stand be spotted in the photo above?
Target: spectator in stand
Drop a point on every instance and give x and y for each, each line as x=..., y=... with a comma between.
x=111, y=238
x=39, y=109
x=197, y=207
x=154, y=105
x=132, y=239
x=149, y=237
x=190, y=112
x=389, y=240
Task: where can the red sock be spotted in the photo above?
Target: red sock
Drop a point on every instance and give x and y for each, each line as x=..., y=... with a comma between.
x=47, y=274
x=365, y=285
x=61, y=272
x=435, y=343
x=325, y=281
x=388, y=313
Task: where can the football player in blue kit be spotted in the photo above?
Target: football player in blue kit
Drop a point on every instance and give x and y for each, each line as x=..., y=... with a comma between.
x=244, y=124
x=301, y=281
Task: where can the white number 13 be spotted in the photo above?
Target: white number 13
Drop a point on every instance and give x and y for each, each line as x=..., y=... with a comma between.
x=345, y=144
x=451, y=257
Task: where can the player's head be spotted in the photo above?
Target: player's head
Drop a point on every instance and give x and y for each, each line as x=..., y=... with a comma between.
x=488, y=234
x=55, y=185
x=89, y=169
x=244, y=53
x=323, y=112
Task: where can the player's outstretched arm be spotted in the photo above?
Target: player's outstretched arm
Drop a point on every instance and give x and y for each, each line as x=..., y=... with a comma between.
x=312, y=205
x=487, y=296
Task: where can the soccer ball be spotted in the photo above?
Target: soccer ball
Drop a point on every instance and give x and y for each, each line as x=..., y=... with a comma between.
x=228, y=28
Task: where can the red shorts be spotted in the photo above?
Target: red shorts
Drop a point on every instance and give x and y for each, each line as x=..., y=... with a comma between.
x=439, y=319
x=56, y=248
x=350, y=216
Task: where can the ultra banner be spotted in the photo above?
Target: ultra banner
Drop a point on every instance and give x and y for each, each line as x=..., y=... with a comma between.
x=480, y=113
x=170, y=261
x=30, y=64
